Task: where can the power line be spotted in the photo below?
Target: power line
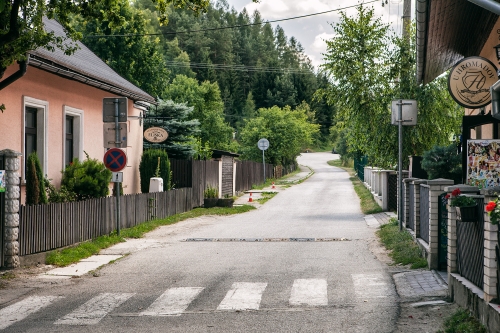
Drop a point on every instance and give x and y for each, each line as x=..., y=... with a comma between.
x=241, y=68
x=228, y=27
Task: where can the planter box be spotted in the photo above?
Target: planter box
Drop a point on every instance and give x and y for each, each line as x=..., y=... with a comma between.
x=467, y=214
x=210, y=202
x=225, y=202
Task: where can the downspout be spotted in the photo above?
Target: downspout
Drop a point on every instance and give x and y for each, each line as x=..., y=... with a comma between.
x=23, y=66
x=490, y=5
x=421, y=36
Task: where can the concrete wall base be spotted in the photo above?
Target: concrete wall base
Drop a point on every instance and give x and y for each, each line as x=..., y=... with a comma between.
x=33, y=259
x=470, y=297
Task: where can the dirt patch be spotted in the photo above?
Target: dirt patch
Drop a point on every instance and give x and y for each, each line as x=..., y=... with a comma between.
x=424, y=319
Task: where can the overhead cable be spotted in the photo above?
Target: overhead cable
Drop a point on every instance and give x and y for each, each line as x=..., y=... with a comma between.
x=228, y=27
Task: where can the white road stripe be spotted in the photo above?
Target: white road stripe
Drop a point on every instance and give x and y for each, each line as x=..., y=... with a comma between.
x=371, y=285
x=173, y=302
x=312, y=292
x=243, y=296
x=94, y=310
x=20, y=310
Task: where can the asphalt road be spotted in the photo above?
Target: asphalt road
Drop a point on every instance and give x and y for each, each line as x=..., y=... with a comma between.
x=285, y=282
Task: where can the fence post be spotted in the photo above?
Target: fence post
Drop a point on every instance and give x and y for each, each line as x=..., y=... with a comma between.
x=436, y=188
x=490, y=244
x=12, y=195
x=416, y=204
x=406, y=200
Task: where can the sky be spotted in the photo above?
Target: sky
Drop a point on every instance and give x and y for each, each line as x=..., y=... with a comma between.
x=312, y=31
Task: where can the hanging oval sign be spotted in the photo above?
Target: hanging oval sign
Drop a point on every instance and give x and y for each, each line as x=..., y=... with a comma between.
x=470, y=81
x=155, y=134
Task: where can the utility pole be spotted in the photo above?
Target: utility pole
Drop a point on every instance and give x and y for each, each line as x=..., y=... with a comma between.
x=406, y=17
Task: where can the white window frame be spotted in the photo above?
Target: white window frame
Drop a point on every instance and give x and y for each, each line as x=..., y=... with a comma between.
x=77, y=115
x=42, y=132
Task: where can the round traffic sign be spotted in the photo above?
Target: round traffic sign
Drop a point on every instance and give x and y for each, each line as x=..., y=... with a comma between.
x=263, y=144
x=115, y=159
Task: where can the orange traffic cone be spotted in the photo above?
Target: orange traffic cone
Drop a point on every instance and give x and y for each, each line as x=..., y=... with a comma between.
x=273, y=185
x=250, y=199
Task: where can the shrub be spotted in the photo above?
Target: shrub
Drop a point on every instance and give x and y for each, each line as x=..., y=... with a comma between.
x=148, y=168
x=87, y=179
x=443, y=162
x=58, y=195
x=35, y=187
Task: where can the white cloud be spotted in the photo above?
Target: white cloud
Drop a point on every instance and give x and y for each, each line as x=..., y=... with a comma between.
x=319, y=44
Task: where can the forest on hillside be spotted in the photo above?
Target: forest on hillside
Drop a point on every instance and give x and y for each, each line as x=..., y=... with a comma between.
x=230, y=72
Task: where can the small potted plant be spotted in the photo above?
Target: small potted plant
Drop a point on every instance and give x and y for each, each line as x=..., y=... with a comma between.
x=211, y=196
x=227, y=201
x=466, y=207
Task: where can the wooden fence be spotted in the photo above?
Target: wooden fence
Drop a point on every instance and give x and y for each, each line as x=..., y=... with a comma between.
x=51, y=226
x=47, y=227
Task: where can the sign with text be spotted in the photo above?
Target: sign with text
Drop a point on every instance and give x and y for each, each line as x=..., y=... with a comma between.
x=155, y=134
x=117, y=177
x=470, y=81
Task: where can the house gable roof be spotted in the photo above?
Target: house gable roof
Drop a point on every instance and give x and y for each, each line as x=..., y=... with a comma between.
x=84, y=66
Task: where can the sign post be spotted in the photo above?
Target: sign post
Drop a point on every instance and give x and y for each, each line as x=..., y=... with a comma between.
x=263, y=144
x=115, y=109
x=410, y=118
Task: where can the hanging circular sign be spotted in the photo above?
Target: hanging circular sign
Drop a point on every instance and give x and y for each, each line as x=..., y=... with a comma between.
x=470, y=81
x=155, y=134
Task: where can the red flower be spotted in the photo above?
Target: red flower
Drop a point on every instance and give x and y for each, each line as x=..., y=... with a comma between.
x=456, y=192
x=447, y=196
x=490, y=206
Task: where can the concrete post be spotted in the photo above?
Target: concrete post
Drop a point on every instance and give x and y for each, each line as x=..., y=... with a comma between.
x=416, y=204
x=452, y=228
x=490, y=242
x=406, y=204
x=384, y=181
x=436, y=188
x=12, y=195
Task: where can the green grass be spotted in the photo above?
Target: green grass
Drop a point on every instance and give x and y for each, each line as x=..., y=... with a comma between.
x=84, y=250
x=266, y=196
x=8, y=276
x=402, y=247
x=462, y=322
x=368, y=204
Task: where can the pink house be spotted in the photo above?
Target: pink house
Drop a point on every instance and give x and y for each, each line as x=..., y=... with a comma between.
x=55, y=109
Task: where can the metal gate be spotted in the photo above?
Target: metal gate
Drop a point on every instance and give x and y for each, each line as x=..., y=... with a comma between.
x=443, y=233
x=411, y=210
x=470, y=248
x=2, y=216
x=424, y=213
x=393, y=192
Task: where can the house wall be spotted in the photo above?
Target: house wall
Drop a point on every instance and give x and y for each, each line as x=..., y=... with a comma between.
x=60, y=94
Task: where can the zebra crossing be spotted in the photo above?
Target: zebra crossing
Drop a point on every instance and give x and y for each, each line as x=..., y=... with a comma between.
x=175, y=301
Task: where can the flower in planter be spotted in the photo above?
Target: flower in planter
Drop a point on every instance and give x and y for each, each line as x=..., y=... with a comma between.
x=460, y=200
x=493, y=211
